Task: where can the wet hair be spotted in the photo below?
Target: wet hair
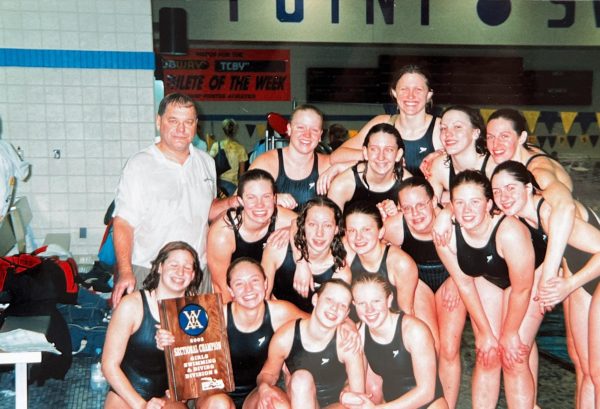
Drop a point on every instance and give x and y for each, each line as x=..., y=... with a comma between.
x=518, y=171
x=390, y=130
x=362, y=207
x=331, y=281
x=230, y=127
x=517, y=120
x=177, y=99
x=477, y=178
x=241, y=260
x=414, y=182
x=476, y=121
x=412, y=69
x=337, y=247
x=151, y=281
x=234, y=218
x=374, y=279
x=307, y=107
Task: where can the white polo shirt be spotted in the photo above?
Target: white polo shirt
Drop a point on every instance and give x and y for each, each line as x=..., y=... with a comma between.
x=165, y=201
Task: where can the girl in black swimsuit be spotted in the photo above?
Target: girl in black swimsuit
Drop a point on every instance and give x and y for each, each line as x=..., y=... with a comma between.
x=412, y=231
x=491, y=260
x=515, y=194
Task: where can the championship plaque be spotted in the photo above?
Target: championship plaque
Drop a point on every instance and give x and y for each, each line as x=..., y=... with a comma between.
x=198, y=363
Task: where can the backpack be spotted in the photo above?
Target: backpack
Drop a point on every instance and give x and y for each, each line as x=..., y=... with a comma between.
x=31, y=278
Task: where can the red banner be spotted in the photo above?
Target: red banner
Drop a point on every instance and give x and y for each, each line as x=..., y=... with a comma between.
x=229, y=75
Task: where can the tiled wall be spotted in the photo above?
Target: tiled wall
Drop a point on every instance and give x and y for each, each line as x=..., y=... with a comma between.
x=97, y=117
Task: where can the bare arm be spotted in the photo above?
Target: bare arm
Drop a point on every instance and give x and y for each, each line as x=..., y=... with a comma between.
x=404, y=276
x=219, y=248
x=342, y=189
x=123, y=242
x=513, y=238
x=218, y=206
x=354, y=363
x=120, y=328
x=351, y=150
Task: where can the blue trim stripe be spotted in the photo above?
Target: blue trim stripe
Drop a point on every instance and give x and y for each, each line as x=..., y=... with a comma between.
x=117, y=60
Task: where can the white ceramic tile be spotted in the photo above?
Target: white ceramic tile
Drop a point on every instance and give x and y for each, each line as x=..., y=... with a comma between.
x=55, y=113
x=89, y=41
x=111, y=132
x=87, y=21
x=74, y=130
x=91, y=113
x=16, y=113
x=30, y=5
x=35, y=92
x=52, y=76
x=38, y=149
x=73, y=113
x=146, y=114
x=92, y=131
x=76, y=149
x=36, y=113
x=110, y=113
x=107, y=41
x=109, y=93
x=51, y=40
x=112, y=149
x=106, y=7
x=39, y=184
x=96, y=201
x=93, y=149
x=60, y=220
x=90, y=78
x=126, y=78
x=76, y=166
x=12, y=20
x=67, y=6
x=95, y=184
x=14, y=96
x=56, y=130
x=59, y=202
x=33, y=76
x=72, y=77
x=147, y=132
x=53, y=94
x=128, y=148
x=145, y=95
x=86, y=6
x=69, y=40
x=73, y=95
x=39, y=167
x=78, y=219
x=57, y=167
x=31, y=19
x=32, y=38
x=41, y=203
x=95, y=166
x=49, y=20
x=129, y=113
x=113, y=166
x=77, y=201
x=37, y=130
x=76, y=184
x=129, y=131
x=58, y=184
x=143, y=42
x=110, y=182
x=128, y=95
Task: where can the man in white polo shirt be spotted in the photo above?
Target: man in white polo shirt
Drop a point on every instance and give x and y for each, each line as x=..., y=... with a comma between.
x=165, y=193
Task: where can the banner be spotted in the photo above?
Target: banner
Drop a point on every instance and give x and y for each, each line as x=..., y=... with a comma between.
x=229, y=74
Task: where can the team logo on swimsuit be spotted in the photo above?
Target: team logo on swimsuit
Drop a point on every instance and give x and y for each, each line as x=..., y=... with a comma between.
x=422, y=149
x=489, y=258
x=395, y=352
x=311, y=185
x=193, y=320
x=324, y=361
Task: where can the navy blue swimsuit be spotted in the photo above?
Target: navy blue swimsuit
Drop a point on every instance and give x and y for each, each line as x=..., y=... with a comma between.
x=302, y=189
x=415, y=151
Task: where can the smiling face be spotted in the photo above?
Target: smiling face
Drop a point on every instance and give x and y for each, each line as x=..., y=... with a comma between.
x=502, y=140
x=412, y=93
x=177, y=127
x=362, y=232
x=247, y=285
x=382, y=153
x=510, y=195
x=470, y=205
x=305, y=130
x=457, y=133
x=372, y=303
x=319, y=229
x=259, y=201
x=417, y=208
x=332, y=305
x=177, y=271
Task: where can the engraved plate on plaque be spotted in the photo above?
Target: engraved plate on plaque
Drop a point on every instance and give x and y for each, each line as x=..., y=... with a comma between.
x=198, y=363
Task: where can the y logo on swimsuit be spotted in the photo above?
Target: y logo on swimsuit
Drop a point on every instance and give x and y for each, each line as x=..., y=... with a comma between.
x=261, y=340
x=422, y=149
x=395, y=353
x=489, y=258
x=324, y=361
x=193, y=319
x=311, y=185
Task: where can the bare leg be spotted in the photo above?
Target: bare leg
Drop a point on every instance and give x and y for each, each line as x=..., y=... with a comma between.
x=594, y=344
x=579, y=313
x=451, y=325
x=373, y=386
x=486, y=379
x=252, y=400
x=302, y=390
x=572, y=352
x=425, y=311
x=218, y=401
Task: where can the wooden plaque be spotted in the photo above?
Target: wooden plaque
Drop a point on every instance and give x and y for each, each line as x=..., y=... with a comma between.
x=198, y=363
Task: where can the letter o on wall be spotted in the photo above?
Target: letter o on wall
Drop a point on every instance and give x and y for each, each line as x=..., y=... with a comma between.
x=172, y=27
